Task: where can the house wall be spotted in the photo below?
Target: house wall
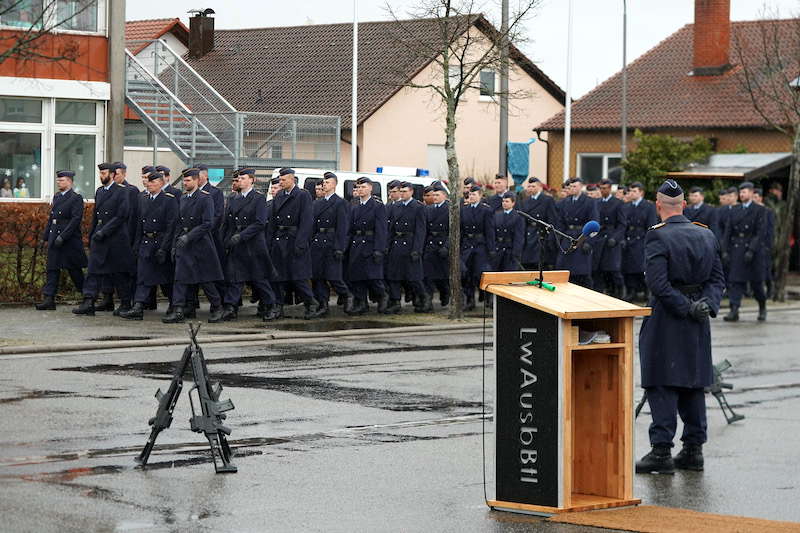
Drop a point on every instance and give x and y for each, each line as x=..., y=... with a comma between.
x=91, y=63
x=400, y=132
x=147, y=58
x=752, y=140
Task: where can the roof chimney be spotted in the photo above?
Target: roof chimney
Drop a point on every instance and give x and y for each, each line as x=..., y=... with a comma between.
x=201, y=32
x=712, y=37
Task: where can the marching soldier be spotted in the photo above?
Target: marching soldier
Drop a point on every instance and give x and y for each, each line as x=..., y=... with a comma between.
x=435, y=256
x=622, y=193
x=500, y=187
x=769, y=238
x=290, y=229
x=641, y=215
x=406, y=243
x=685, y=278
x=509, y=235
x=247, y=258
x=158, y=212
x=111, y=261
x=540, y=206
x=176, y=192
x=477, y=243
x=427, y=195
x=368, y=232
x=328, y=245
x=64, y=240
x=609, y=242
x=698, y=210
x=196, y=261
x=745, y=233
x=574, y=212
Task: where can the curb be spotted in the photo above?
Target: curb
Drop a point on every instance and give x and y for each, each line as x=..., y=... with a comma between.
x=217, y=339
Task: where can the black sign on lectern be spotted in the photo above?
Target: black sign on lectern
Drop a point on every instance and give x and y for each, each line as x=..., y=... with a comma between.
x=527, y=456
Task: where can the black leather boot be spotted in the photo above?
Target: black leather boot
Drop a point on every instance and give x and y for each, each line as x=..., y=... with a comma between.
x=690, y=458
x=215, y=315
x=107, y=304
x=273, y=312
x=359, y=308
x=383, y=303
x=762, y=311
x=444, y=298
x=48, y=304
x=425, y=305
x=393, y=308
x=322, y=310
x=733, y=315
x=311, y=310
x=229, y=312
x=86, y=307
x=124, y=306
x=657, y=461
x=134, y=313
x=470, y=303
x=176, y=317
x=348, y=303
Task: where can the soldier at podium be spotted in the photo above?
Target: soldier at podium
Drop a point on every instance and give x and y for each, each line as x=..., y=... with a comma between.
x=685, y=279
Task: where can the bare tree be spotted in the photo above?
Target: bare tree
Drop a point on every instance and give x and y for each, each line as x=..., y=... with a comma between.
x=769, y=57
x=36, y=22
x=463, y=43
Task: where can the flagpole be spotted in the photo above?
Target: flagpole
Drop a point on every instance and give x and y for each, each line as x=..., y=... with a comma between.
x=568, y=98
x=354, y=111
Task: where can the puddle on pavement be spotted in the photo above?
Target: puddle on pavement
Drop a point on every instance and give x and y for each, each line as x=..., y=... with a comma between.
x=46, y=394
x=335, y=325
x=121, y=338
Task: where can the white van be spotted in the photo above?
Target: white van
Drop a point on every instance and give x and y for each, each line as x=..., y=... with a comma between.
x=307, y=178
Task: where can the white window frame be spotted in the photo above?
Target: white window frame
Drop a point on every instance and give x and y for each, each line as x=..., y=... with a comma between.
x=49, y=19
x=48, y=130
x=604, y=155
x=486, y=98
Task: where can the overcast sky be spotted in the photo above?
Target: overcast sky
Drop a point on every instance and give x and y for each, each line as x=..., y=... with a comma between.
x=597, y=30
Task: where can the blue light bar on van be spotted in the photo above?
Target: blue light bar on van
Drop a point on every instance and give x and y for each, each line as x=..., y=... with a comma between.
x=421, y=172
x=379, y=170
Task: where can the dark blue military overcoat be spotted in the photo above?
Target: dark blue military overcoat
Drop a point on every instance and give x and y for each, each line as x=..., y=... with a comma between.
x=197, y=261
x=154, y=232
x=573, y=215
x=608, y=243
x=248, y=260
x=743, y=239
x=705, y=214
x=509, y=238
x=406, y=235
x=218, y=201
x=66, y=214
x=495, y=202
x=543, y=208
x=477, y=238
x=683, y=264
x=368, y=231
x=769, y=237
x=330, y=233
x=110, y=249
x=640, y=218
x=289, y=231
x=133, y=209
x=435, y=260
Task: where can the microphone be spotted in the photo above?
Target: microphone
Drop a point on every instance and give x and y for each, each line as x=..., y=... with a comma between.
x=590, y=229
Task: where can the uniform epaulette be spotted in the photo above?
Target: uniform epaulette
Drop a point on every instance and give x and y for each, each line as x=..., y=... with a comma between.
x=204, y=192
x=170, y=194
x=122, y=185
x=700, y=224
x=659, y=225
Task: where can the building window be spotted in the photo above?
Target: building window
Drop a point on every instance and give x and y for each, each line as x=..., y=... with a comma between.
x=21, y=163
x=76, y=15
x=77, y=153
x=487, y=82
x=22, y=13
x=137, y=134
x=76, y=112
x=594, y=167
x=20, y=110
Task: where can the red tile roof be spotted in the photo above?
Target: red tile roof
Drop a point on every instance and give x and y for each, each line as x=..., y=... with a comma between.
x=307, y=69
x=140, y=30
x=662, y=94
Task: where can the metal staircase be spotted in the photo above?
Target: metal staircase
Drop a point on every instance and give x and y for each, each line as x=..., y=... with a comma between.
x=199, y=125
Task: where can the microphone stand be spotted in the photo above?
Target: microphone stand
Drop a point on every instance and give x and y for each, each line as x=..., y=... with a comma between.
x=544, y=230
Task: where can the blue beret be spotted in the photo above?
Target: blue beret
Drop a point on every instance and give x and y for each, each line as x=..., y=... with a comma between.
x=362, y=180
x=285, y=170
x=190, y=172
x=162, y=169
x=636, y=185
x=104, y=166
x=153, y=176
x=330, y=175
x=475, y=188
x=508, y=194
x=746, y=185
x=250, y=171
x=393, y=184
x=148, y=169
x=671, y=188
x=533, y=180
x=116, y=165
x=65, y=174
x=201, y=167
x=274, y=181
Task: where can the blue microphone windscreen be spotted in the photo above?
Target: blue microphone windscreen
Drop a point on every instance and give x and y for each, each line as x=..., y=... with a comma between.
x=591, y=227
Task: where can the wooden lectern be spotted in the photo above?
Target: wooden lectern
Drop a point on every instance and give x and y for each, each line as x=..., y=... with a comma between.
x=563, y=412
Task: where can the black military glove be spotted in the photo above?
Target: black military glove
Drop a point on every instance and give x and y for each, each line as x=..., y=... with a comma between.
x=377, y=257
x=415, y=256
x=58, y=242
x=748, y=256
x=443, y=252
x=699, y=310
x=586, y=247
x=612, y=242
x=182, y=241
x=161, y=256
x=234, y=240
x=98, y=236
x=338, y=255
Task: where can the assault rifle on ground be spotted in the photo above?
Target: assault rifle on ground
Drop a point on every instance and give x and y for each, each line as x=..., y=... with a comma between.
x=207, y=420
x=717, y=389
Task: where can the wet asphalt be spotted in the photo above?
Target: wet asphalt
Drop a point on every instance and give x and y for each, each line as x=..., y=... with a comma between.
x=347, y=435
